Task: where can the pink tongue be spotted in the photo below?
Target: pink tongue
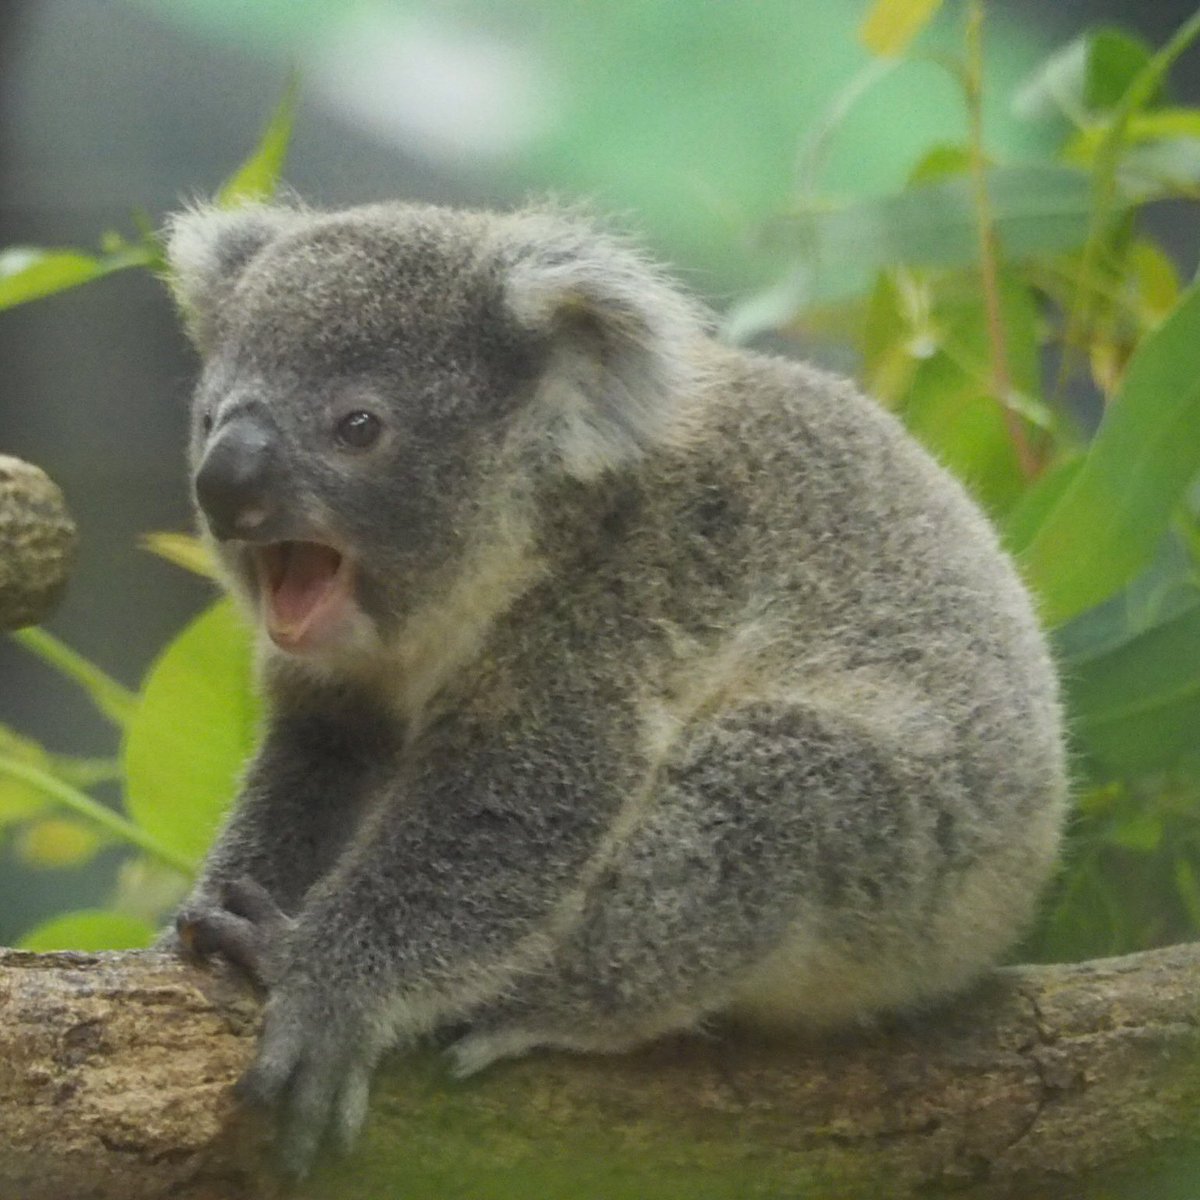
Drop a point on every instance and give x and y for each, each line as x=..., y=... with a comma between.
x=308, y=573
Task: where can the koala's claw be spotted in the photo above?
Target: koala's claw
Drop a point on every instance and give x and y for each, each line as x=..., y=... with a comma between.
x=477, y=1051
x=246, y=927
x=314, y=1070
x=248, y=898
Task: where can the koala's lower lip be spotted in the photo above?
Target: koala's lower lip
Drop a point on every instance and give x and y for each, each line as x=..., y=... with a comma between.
x=306, y=587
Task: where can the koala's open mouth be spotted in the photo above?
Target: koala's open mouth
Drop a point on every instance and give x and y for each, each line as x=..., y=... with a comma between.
x=306, y=588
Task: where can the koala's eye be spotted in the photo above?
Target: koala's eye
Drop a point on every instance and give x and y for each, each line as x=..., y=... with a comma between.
x=358, y=430
x=206, y=422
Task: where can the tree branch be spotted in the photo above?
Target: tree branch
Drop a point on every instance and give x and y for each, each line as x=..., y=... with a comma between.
x=115, y=1074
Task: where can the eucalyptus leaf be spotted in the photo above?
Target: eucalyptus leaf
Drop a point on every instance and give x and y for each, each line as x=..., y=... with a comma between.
x=1030, y=512
x=257, y=179
x=1115, y=59
x=19, y=799
x=1090, y=73
x=891, y=26
x=1166, y=589
x=1137, y=709
x=1037, y=210
x=29, y=273
x=1160, y=169
x=192, y=730
x=1147, y=450
x=951, y=406
x=182, y=549
x=89, y=929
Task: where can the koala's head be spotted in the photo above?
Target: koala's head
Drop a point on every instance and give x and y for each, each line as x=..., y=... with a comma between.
x=371, y=377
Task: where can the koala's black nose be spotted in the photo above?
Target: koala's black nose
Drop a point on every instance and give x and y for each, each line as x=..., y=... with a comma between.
x=234, y=482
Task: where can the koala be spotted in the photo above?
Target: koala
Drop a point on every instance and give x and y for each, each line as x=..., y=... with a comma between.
x=616, y=680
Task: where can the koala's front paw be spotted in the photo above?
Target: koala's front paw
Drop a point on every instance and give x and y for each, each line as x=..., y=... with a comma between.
x=245, y=926
x=314, y=1067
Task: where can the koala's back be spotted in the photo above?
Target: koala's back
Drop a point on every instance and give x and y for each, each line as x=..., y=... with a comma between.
x=802, y=569
x=798, y=508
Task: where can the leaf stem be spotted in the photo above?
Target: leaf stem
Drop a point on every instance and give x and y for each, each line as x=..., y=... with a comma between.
x=1104, y=180
x=811, y=159
x=989, y=244
x=115, y=701
x=99, y=814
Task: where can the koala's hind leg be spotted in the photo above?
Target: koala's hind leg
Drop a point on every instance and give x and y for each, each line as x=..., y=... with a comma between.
x=763, y=819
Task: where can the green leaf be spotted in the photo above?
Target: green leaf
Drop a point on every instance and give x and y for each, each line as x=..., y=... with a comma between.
x=89, y=929
x=1152, y=283
x=1037, y=210
x=1030, y=512
x=1158, y=125
x=1109, y=520
x=1139, y=831
x=19, y=799
x=257, y=178
x=1161, y=169
x=889, y=355
x=1187, y=888
x=1137, y=708
x=891, y=25
x=1166, y=589
x=943, y=161
x=1115, y=59
x=84, y=772
x=92, y=810
x=183, y=550
x=1084, y=922
x=1089, y=74
x=192, y=731
x=28, y=273
x=1110, y=192
x=949, y=405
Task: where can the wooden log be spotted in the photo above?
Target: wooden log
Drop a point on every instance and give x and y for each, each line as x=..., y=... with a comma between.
x=116, y=1073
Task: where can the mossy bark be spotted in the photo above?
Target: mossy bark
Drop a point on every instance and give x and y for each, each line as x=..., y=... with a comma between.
x=115, y=1076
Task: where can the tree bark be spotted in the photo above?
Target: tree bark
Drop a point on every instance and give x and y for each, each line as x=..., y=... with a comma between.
x=115, y=1075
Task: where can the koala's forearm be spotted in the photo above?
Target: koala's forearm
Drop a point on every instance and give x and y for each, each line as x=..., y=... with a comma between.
x=302, y=793
x=426, y=896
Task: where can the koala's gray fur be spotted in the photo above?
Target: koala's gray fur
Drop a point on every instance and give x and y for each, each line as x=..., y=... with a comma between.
x=676, y=680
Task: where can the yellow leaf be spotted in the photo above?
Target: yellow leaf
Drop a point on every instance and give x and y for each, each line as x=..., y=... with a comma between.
x=891, y=25
x=18, y=799
x=1155, y=280
x=943, y=161
x=181, y=549
x=57, y=842
x=1163, y=124
x=256, y=179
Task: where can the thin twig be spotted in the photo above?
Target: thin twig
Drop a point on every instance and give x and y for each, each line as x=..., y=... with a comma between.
x=1027, y=460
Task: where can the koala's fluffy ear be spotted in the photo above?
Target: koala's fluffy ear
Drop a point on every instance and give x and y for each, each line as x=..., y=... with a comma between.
x=621, y=366
x=207, y=249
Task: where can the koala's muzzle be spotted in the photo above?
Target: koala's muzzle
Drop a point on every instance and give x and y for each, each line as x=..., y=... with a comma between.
x=236, y=482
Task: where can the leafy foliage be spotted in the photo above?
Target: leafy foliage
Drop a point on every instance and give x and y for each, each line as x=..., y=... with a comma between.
x=1028, y=329
x=1022, y=320
x=180, y=774
x=189, y=728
